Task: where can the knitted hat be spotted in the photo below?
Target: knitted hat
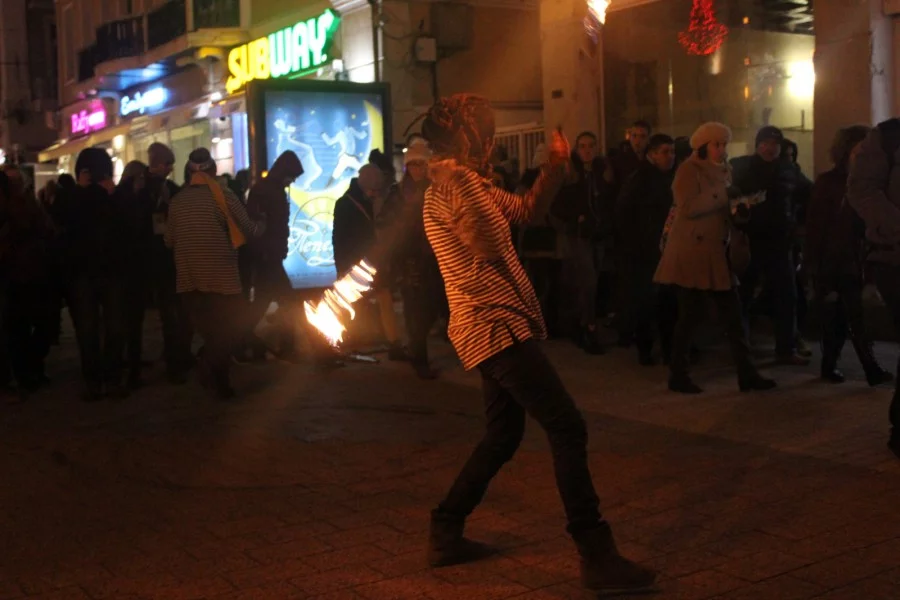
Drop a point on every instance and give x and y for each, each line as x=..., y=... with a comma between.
x=97, y=162
x=417, y=151
x=769, y=132
x=710, y=132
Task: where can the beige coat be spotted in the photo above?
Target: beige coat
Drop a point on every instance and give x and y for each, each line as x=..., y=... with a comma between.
x=695, y=253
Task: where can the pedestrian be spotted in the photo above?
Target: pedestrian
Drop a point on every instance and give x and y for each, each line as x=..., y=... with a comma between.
x=413, y=261
x=138, y=284
x=834, y=262
x=586, y=209
x=96, y=259
x=269, y=201
x=495, y=325
x=354, y=236
x=873, y=191
x=771, y=232
x=695, y=259
x=206, y=225
x=155, y=200
x=642, y=209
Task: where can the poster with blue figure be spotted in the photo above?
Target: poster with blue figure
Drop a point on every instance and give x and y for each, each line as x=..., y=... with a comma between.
x=332, y=133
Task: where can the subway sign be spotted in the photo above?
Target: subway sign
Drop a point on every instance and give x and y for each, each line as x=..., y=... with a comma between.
x=290, y=52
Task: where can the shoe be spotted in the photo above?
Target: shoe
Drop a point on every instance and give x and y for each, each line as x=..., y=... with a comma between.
x=424, y=371
x=803, y=348
x=757, y=383
x=397, y=352
x=116, y=391
x=877, y=376
x=684, y=385
x=590, y=344
x=832, y=375
x=606, y=571
x=792, y=360
x=447, y=546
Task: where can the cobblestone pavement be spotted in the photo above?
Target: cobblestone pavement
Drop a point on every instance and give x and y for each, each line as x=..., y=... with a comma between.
x=318, y=485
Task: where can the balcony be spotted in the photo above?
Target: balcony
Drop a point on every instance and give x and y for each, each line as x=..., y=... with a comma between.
x=118, y=39
x=166, y=23
x=217, y=14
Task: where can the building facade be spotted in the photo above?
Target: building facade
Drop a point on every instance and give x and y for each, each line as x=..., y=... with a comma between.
x=28, y=82
x=137, y=71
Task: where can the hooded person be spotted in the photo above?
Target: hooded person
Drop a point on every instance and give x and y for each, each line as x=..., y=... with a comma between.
x=495, y=325
x=207, y=225
x=269, y=201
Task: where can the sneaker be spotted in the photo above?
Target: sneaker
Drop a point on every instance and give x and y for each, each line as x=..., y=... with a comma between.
x=606, y=571
x=878, y=376
x=803, y=348
x=832, y=375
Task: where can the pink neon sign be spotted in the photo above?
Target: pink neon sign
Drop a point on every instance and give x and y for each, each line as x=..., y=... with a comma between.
x=86, y=121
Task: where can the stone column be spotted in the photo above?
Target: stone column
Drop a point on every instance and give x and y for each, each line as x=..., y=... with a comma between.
x=572, y=69
x=854, y=71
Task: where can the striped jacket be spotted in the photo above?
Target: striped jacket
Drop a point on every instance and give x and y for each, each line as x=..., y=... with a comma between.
x=205, y=259
x=467, y=221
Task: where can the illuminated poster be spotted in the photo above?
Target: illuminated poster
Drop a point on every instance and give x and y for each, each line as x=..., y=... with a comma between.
x=332, y=132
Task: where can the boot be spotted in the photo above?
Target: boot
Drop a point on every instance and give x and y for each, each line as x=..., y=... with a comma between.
x=683, y=384
x=756, y=383
x=832, y=375
x=876, y=375
x=446, y=544
x=604, y=570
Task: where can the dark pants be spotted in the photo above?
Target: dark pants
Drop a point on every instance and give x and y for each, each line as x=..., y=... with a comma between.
x=271, y=284
x=99, y=315
x=5, y=367
x=839, y=300
x=693, y=308
x=887, y=280
x=653, y=310
x=30, y=330
x=516, y=381
x=421, y=310
x=219, y=321
x=776, y=269
x=544, y=274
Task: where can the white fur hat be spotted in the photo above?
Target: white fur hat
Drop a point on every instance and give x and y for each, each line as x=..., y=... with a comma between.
x=417, y=151
x=710, y=132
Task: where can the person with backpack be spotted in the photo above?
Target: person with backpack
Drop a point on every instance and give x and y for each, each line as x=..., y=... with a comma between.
x=874, y=193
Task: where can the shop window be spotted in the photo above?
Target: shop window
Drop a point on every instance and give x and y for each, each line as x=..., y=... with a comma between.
x=185, y=140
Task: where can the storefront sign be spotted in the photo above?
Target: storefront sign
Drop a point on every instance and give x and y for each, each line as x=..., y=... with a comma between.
x=149, y=101
x=88, y=120
x=291, y=52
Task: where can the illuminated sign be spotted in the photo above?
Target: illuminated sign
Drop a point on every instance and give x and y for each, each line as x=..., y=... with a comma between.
x=292, y=51
x=86, y=121
x=142, y=102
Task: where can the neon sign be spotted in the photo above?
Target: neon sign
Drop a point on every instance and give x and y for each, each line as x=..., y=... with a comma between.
x=152, y=99
x=86, y=121
x=292, y=51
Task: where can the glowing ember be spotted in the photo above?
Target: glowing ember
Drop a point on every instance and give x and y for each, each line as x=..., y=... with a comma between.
x=326, y=314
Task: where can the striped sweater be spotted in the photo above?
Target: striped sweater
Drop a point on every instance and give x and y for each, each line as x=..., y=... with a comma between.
x=196, y=230
x=467, y=221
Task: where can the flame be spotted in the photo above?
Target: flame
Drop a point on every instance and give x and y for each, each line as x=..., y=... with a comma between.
x=597, y=9
x=326, y=314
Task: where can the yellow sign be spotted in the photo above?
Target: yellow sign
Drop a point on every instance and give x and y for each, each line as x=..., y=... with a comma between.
x=292, y=51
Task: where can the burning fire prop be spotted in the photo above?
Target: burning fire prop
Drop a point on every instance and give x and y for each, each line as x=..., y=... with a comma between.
x=326, y=314
x=596, y=16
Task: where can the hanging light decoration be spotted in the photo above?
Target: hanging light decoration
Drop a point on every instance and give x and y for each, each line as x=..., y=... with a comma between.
x=595, y=18
x=704, y=34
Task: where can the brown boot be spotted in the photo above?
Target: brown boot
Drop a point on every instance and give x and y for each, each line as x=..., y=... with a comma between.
x=604, y=570
x=447, y=546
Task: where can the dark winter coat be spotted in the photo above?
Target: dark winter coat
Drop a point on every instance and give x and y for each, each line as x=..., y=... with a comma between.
x=96, y=234
x=641, y=212
x=586, y=207
x=411, y=255
x=353, y=236
x=834, y=232
x=153, y=205
x=624, y=163
x=269, y=199
x=25, y=237
x=771, y=224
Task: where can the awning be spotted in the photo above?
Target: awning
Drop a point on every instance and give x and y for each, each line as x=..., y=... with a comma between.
x=75, y=146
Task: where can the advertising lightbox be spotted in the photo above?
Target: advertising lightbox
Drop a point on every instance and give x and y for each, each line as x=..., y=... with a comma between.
x=332, y=127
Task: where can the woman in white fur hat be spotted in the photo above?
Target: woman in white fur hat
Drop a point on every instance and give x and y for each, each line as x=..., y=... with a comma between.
x=695, y=258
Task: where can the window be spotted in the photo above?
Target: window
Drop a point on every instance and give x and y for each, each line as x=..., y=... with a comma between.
x=67, y=44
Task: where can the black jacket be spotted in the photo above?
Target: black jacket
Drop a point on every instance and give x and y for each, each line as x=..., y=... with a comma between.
x=96, y=234
x=641, y=212
x=353, y=235
x=587, y=206
x=771, y=222
x=269, y=199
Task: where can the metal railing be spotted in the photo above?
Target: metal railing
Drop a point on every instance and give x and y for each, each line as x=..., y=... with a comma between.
x=521, y=142
x=166, y=23
x=214, y=14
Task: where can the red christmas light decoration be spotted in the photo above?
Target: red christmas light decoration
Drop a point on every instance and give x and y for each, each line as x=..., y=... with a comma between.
x=704, y=34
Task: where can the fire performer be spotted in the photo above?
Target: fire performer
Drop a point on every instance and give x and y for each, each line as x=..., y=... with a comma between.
x=495, y=323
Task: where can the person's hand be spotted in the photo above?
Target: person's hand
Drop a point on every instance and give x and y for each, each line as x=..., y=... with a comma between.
x=559, y=149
